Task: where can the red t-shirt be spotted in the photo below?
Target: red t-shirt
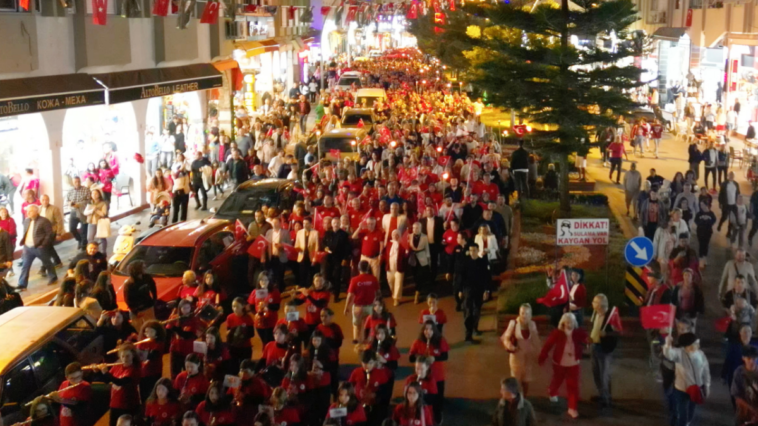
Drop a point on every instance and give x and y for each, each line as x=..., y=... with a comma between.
x=266, y=319
x=190, y=386
x=152, y=367
x=356, y=216
x=313, y=312
x=420, y=348
x=364, y=287
x=162, y=414
x=404, y=418
x=233, y=321
x=286, y=416
x=224, y=417
x=355, y=417
x=273, y=298
x=297, y=327
x=333, y=335
x=391, y=355
x=371, y=243
x=371, y=323
x=428, y=384
x=657, y=131
x=366, y=390
x=81, y=393
x=126, y=395
x=617, y=149
x=182, y=346
x=273, y=353
x=440, y=316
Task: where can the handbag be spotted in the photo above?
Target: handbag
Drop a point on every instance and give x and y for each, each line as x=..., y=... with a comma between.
x=103, y=228
x=696, y=393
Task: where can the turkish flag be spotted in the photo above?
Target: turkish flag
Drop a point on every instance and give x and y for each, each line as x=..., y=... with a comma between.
x=325, y=10
x=240, y=232
x=444, y=160
x=452, y=5
x=291, y=13
x=320, y=256
x=291, y=251
x=614, y=320
x=335, y=153
x=558, y=295
x=351, y=11
x=160, y=7
x=99, y=12
x=360, y=123
x=24, y=4
x=210, y=13
x=412, y=12
x=258, y=247
x=657, y=316
x=722, y=324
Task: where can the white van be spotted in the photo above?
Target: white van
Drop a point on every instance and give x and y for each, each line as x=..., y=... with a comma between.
x=370, y=95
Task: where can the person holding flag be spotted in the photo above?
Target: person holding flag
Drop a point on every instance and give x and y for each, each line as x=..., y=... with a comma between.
x=603, y=335
x=558, y=295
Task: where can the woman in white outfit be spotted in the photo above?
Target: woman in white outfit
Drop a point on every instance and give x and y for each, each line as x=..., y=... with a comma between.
x=396, y=256
x=522, y=340
x=487, y=243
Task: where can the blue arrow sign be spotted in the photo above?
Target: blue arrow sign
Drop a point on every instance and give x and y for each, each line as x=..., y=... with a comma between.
x=639, y=251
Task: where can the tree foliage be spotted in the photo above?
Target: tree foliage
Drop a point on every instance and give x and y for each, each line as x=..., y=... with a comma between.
x=552, y=63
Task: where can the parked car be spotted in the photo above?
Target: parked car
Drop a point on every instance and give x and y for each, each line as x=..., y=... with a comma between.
x=352, y=117
x=199, y=245
x=38, y=343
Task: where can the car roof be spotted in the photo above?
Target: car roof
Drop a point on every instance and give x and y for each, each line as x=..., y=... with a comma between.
x=263, y=184
x=184, y=234
x=340, y=133
x=351, y=74
x=25, y=328
x=371, y=92
x=361, y=111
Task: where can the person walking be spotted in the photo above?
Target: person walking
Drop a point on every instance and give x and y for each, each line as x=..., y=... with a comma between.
x=37, y=240
x=54, y=215
x=710, y=158
x=520, y=168
x=97, y=211
x=307, y=245
x=735, y=267
x=522, y=340
x=743, y=387
x=616, y=150
x=6, y=252
x=694, y=157
x=419, y=260
x=692, y=382
x=78, y=198
x=237, y=169
x=476, y=288
x=652, y=213
x=395, y=255
x=197, y=167
x=604, y=338
x=656, y=133
x=632, y=188
x=513, y=408
x=567, y=343
x=181, y=192
x=704, y=221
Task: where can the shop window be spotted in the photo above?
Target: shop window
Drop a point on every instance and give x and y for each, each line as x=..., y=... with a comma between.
x=15, y=6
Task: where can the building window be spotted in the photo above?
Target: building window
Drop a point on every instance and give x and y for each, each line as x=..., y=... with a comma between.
x=657, y=12
x=15, y=6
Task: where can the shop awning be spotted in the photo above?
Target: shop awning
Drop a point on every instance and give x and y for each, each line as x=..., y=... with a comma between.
x=130, y=86
x=226, y=64
x=38, y=94
x=255, y=48
x=669, y=33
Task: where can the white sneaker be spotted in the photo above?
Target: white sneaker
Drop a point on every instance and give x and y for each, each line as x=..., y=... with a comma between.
x=553, y=399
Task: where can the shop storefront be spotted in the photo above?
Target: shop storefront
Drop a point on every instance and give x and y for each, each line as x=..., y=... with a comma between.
x=673, y=51
x=742, y=78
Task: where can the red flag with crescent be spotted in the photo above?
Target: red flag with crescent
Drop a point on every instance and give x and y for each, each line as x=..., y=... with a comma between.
x=614, y=320
x=210, y=13
x=240, y=232
x=559, y=294
x=258, y=247
x=657, y=316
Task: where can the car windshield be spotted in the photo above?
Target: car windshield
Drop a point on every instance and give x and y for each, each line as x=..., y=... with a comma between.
x=353, y=119
x=245, y=203
x=342, y=144
x=370, y=100
x=347, y=81
x=160, y=261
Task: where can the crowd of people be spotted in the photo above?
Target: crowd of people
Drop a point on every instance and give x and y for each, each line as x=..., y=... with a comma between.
x=423, y=210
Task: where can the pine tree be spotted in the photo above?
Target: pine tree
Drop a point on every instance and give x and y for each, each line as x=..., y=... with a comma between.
x=557, y=65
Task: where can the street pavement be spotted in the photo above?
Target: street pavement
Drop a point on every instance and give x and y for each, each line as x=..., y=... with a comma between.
x=474, y=371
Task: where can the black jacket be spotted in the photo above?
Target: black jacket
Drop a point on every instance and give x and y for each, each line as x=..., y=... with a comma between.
x=42, y=234
x=238, y=170
x=439, y=228
x=98, y=263
x=6, y=248
x=197, y=174
x=338, y=243
x=477, y=275
x=520, y=159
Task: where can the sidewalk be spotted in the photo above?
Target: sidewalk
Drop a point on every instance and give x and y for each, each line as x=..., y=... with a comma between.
x=40, y=292
x=673, y=158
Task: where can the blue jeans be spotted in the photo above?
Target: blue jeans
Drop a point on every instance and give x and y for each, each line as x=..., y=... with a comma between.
x=42, y=253
x=684, y=408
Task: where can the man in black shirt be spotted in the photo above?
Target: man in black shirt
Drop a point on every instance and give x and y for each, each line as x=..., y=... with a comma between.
x=338, y=248
x=140, y=294
x=655, y=180
x=237, y=168
x=476, y=286
x=472, y=212
x=197, y=179
x=520, y=169
x=97, y=261
x=459, y=258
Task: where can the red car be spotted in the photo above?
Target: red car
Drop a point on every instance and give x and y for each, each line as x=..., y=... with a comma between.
x=199, y=245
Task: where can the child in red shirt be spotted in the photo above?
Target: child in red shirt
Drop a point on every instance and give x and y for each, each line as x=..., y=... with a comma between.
x=433, y=312
x=162, y=408
x=75, y=401
x=191, y=383
x=240, y=328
